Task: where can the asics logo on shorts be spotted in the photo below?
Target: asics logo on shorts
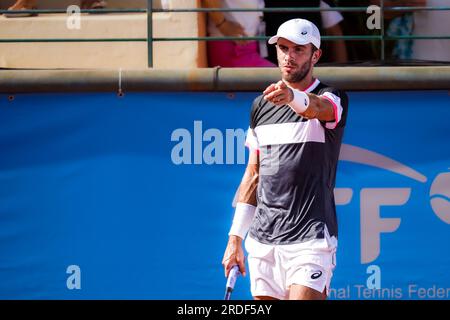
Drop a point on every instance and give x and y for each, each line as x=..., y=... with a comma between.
x=316, y=275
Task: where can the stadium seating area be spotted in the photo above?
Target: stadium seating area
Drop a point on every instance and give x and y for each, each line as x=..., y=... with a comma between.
x=17, y=51
x=127, y=55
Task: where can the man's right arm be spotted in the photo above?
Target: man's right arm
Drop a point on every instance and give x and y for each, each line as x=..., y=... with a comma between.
x=245, y=210
x=249, y=183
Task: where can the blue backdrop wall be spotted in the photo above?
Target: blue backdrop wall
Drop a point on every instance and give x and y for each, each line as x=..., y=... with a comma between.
x=131, y=198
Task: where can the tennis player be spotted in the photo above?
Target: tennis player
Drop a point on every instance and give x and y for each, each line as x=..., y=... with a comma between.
x=286, y=201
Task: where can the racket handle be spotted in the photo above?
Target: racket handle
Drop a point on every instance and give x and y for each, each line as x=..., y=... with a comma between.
x=227, y=295
x=231, y=281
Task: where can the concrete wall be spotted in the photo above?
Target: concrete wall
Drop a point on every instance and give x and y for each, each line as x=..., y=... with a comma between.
x=127, y=55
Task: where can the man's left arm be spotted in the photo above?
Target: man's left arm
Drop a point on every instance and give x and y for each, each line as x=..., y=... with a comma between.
x=325, y=107
x=319, y=108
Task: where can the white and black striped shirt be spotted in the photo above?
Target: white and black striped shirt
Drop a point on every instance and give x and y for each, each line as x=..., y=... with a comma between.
x=298, y=161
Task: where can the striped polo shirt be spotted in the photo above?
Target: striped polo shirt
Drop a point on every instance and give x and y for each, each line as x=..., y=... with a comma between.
x=297, y=173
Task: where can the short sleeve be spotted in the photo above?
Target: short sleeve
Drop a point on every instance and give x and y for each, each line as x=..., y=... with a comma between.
x=251, y=140
x=339, y=101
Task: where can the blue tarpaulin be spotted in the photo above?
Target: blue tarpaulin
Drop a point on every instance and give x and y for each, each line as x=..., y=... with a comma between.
x=104, y=197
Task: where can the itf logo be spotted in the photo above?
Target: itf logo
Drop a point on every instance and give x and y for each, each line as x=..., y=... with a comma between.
x=372, y=225
x=440, y=196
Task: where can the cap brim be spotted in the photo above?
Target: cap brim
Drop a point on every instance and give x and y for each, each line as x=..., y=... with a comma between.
x=274, y=39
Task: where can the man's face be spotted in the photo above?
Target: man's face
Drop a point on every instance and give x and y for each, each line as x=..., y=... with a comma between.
x=295, y=61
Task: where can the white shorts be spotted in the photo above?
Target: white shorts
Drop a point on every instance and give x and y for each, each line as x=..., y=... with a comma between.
x=274, y=268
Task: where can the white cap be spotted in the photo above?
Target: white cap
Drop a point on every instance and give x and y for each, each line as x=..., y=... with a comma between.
x=299, y=31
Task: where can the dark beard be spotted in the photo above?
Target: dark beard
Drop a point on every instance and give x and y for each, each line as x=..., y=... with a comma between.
x=299, y=75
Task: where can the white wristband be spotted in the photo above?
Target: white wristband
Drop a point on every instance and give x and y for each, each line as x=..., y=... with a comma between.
x=243, y=218
x=300, y=102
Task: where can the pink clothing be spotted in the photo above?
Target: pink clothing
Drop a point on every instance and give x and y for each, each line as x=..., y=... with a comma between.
x=229, y=54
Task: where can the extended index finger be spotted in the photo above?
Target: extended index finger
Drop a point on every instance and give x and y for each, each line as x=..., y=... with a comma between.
x=270, y=89
x=281, y=84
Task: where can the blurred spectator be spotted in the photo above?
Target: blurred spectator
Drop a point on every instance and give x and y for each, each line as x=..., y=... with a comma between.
x=240, y=53
x=399, y=23
x=418, y=23
x=328, y=23
x=432, y=23
x=355, y=24
x=31, y=4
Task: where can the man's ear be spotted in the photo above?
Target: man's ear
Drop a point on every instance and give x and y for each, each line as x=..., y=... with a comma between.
x=316, y=56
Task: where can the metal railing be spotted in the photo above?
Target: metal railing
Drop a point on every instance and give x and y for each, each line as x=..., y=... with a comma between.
x=150, y=39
